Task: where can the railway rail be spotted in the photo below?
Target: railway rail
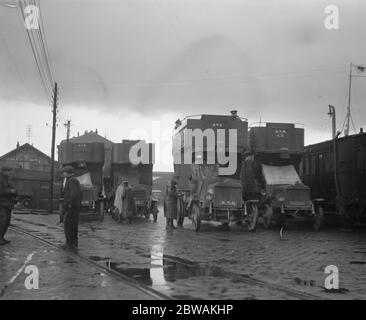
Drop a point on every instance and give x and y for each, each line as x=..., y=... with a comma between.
x=291, y=293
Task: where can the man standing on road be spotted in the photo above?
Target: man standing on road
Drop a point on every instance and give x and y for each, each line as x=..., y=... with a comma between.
x=171, y=204
x=71, y=207
x=7, y=193
x=128, y=202
x=117, y=214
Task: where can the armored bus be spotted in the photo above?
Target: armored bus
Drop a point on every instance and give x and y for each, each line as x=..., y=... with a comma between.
x=270, y=175
x=208, y=183
x=139, y=175
x=88, y=160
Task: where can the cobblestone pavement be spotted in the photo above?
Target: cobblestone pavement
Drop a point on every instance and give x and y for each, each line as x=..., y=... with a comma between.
x=61, y=276
x=217, y=262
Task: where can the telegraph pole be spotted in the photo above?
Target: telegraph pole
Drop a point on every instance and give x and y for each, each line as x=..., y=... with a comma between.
x=54, y=113
x=335, y=134
x=348, y=117
x=68, y=125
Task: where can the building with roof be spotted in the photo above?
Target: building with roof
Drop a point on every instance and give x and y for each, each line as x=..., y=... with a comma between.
x=28, y=157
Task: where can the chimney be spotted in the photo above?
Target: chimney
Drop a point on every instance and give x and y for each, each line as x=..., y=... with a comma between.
x=96, y=131
x=234, y=113
x=361, y=130
x=18, y=144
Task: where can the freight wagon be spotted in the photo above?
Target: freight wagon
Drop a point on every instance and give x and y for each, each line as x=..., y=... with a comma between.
x=338, y=182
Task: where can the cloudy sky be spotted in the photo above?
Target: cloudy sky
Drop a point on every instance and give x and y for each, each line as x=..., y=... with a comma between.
x=126, y=66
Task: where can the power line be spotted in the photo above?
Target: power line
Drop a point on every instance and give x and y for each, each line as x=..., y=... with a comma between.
x=39, y=51
x=22, y=18
x=213, y=81
x=44, y=42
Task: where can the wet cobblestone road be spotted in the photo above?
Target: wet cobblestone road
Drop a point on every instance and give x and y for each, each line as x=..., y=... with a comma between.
x=61, y=275
x=216, y=263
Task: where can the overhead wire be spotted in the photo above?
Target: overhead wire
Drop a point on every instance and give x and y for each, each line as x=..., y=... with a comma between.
x=43, y=39
x=39, y=52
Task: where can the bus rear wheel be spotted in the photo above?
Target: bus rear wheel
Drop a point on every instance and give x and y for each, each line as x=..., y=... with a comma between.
x=252, y=218
x=180, y=213
x=196, y=217
x=267, y=216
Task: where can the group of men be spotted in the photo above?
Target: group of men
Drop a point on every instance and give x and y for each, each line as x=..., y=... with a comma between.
x=71, y=204
x=124, y=203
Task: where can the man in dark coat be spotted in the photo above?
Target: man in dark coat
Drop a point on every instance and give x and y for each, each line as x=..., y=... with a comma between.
x=171, y=204
x=7, y=195
x=71, y=207
x=128, y=202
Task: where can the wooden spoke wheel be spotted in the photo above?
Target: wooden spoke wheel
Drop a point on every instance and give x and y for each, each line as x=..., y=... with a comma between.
x=252, y=218
x=267, y=216
x=196, y=217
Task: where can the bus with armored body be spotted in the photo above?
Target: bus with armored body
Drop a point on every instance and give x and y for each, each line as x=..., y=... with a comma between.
x=207, y=154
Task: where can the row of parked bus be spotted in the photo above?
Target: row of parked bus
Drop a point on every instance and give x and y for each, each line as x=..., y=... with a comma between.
x=99, y=182
x=277, y=179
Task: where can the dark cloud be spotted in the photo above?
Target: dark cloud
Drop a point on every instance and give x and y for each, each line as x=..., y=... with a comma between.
x=186, y=57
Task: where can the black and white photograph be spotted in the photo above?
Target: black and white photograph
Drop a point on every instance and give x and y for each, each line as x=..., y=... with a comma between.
x=165, y=153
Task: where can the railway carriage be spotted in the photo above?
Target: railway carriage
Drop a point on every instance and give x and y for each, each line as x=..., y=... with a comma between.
x=339, y=182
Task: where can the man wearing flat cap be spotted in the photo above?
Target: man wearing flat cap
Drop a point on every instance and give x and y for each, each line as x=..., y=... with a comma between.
x=71, y=207
x=7, y=195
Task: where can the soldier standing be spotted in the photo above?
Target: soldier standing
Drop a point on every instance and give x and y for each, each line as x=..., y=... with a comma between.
x=118, y=206
x=7, y=193
x=128, y=202
x=71, y=207
x=171, y=205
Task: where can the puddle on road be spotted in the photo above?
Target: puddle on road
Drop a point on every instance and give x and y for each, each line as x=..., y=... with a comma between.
x=340, y=290
x=162, y=271
x=168, y=271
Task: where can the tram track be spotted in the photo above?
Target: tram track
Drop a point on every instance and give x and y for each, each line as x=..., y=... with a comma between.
x=132, y=282
x=292, y=293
